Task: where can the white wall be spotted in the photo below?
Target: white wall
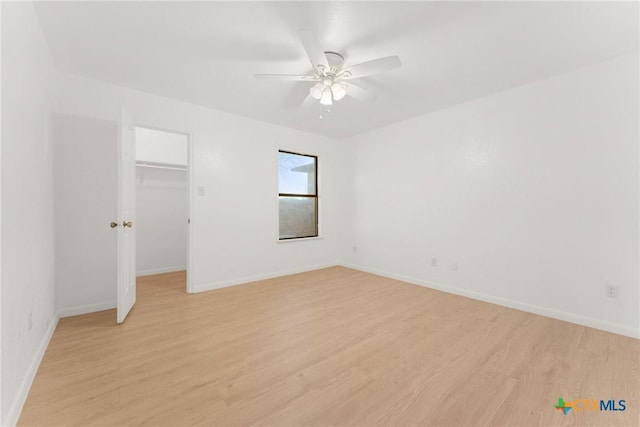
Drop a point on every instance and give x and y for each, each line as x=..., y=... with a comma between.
x=533, y=192
x=234, y=225
x=161, y=220
x=27, y=204
x=85, y=204
x=1, y=411
x=161, y=147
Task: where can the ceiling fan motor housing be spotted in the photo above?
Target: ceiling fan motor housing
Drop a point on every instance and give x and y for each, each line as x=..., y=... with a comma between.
x=335, y=60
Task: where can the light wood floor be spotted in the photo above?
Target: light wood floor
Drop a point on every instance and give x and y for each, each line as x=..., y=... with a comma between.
x=328, y=347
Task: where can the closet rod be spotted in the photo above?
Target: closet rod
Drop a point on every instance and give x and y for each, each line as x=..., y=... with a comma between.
x=160, y=166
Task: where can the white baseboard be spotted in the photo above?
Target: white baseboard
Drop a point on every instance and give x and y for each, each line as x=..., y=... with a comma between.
x=249, y=279
x=615, y=328
x=88, y=308
x=21, y=397
x=161, y=270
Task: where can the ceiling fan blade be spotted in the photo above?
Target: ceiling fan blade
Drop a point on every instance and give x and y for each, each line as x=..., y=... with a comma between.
x=372, y=67
x=358, y=93
x=314, y=49
x=286, y=77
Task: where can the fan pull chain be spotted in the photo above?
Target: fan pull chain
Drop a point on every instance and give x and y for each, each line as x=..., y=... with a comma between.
x=321, y=116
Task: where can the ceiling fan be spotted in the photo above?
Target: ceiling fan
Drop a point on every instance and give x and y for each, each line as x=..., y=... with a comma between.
x=333, y=79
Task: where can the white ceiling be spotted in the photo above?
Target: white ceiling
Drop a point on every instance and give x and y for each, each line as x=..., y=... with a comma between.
x=207, y=52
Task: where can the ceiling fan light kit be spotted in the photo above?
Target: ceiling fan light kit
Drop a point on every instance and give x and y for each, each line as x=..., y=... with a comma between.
x=326, y=98
x=330, y=75
x=328, y=91
x=338, y=90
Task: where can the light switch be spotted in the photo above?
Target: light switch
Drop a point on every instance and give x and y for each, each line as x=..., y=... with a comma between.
x=201, y=190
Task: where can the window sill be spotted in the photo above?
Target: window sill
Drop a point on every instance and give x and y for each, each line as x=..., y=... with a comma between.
x=299, y=239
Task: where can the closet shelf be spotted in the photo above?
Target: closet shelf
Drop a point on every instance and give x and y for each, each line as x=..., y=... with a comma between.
x=161, y=166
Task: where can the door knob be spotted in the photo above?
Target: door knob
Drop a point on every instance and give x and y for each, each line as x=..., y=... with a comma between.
x=127, y=224
x=114, y=224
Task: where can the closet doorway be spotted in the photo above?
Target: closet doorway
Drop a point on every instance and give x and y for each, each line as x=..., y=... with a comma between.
x=162, y=207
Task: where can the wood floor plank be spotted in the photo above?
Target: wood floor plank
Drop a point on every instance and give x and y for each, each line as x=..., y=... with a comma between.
x=328, y=347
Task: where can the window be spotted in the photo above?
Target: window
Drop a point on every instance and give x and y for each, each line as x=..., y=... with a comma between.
x=297, y=195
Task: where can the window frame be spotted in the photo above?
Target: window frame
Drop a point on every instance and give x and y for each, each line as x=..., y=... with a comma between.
x=312, y=196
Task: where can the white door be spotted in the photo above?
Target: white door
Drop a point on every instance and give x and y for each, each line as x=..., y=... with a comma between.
x=126, y=216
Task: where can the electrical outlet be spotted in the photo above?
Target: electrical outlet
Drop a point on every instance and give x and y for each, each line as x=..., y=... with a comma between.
x=355, y=249
x=611, y=291
x=202, y=191
x=454, y=266
x=29, y=322
x=434, y=262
